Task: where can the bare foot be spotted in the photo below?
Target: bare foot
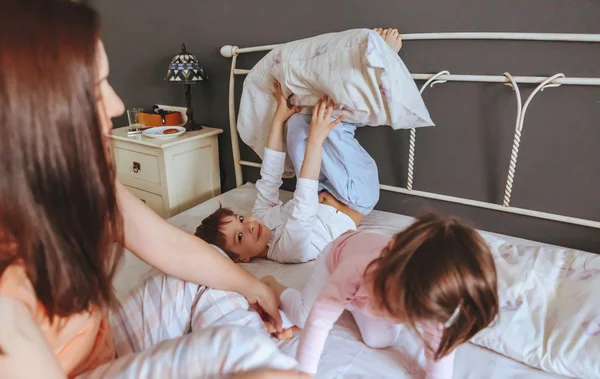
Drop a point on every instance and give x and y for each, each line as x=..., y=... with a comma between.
x=391, y=37
x=328, y=199
x=268, y=280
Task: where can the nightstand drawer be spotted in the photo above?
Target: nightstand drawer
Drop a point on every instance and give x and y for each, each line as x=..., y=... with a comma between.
x=152, y=200
x=170, y=175
x=138, y=165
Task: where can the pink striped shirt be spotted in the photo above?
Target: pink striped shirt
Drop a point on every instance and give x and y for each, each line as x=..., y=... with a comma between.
x=347, y=261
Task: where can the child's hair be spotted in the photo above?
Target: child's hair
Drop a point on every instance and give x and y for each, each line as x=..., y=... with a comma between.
x=438, y=270
x=210, y=230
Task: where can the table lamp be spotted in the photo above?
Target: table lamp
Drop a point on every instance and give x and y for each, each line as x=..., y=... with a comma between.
x=185, y=69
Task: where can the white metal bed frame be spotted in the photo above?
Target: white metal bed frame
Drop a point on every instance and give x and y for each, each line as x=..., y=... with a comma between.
x=557, y=80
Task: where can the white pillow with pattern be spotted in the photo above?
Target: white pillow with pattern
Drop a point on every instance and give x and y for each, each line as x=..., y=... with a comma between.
x=366, y=79
x=550, y=308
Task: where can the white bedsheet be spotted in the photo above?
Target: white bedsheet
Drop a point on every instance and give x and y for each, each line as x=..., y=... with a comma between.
x=345, y=356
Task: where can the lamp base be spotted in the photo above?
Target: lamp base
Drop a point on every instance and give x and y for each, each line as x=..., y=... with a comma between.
x=190, y=125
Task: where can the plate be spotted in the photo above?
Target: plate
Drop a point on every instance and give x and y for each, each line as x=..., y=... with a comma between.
x=158, y=132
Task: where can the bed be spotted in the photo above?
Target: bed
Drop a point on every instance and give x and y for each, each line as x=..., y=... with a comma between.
x=345, y=356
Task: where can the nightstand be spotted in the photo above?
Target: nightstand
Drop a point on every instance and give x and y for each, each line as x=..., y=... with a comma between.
x=169, y=175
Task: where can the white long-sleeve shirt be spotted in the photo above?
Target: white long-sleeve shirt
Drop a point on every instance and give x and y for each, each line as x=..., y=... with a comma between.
x=302, y=227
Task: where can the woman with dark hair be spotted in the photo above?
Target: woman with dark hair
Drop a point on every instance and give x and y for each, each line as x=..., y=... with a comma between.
x=61, y=212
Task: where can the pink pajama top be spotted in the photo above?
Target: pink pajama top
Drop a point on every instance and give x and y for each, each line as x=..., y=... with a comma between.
x=347, y=261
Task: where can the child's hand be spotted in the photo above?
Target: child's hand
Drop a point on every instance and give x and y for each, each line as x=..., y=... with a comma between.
x=284, y=335
x=282, y=113
x=321, y=125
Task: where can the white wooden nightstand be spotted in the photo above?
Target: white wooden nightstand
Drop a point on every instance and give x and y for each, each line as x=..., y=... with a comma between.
x=169, y=175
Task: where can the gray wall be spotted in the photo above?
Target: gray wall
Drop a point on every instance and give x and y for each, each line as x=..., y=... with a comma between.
x=466, y=154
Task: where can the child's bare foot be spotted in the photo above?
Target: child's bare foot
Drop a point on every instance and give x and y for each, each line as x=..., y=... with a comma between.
x=328, y=199
x=391, y=37
x=268, y=280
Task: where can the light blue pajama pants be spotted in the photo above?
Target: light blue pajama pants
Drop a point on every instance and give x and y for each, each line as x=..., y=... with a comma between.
x=347, y=171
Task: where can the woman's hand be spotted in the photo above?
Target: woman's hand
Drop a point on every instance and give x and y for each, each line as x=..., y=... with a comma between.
x=271, y=374
x=261, y=295
x=282, y=113
x=321, y=124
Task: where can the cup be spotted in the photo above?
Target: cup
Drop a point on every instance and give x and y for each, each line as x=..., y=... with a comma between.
x=133, y=115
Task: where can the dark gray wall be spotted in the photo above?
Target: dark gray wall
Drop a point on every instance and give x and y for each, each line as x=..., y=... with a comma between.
x=466, y=154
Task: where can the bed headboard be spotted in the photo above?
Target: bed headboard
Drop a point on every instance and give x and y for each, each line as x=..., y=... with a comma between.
x=541, y=83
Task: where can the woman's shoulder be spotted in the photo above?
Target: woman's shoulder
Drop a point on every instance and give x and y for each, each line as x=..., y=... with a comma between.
x=15, y=284
x=23, y=343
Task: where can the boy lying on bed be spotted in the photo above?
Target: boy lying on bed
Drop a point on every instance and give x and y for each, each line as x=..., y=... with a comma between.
x=298, y=230
x=337, y=185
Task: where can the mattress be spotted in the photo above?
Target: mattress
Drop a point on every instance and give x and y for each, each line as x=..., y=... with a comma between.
x=345, y=356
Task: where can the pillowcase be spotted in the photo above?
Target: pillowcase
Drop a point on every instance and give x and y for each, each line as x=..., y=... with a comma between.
x=550, y=308
x=366, y=79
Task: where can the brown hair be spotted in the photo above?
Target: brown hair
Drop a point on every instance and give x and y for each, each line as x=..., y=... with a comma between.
x=57, y=193
x=210, y=230
x=431, y=268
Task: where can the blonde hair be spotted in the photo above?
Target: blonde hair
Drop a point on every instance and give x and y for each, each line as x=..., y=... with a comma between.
x=438, y=270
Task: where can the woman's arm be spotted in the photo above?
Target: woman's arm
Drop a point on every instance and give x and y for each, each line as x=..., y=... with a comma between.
x=184, y=256
x=24, y=352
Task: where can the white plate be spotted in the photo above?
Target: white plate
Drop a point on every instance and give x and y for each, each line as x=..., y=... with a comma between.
x=157, y=132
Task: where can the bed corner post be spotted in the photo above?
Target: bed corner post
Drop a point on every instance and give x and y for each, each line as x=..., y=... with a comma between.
x=229, y=51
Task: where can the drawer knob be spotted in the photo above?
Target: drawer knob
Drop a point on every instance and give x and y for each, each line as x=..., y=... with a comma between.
x=136, y=167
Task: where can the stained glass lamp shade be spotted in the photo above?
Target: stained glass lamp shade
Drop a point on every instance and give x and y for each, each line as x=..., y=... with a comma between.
x=185, y=69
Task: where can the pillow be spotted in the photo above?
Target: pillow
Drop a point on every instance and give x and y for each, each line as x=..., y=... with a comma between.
x=366, y=79
x=550, y=308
